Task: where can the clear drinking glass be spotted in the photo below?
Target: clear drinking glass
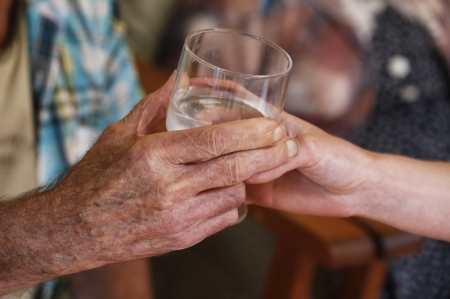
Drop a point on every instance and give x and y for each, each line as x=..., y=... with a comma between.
x=226, y=75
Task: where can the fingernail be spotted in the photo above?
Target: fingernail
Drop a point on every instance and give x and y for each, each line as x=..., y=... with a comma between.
x=280, y=132
x=293, y=147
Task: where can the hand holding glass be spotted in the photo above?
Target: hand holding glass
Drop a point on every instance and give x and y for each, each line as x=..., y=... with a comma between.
x=226, y=75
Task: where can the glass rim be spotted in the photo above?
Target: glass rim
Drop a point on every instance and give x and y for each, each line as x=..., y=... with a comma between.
x=244, y=75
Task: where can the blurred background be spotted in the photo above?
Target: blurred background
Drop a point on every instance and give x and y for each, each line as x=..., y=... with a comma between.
x=372, y=71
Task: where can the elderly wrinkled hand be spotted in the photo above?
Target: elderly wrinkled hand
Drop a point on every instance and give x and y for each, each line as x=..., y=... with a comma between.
x=137, y=194
x=147, y=194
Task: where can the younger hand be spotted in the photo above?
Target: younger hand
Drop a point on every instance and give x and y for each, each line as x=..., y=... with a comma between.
x=325, y=178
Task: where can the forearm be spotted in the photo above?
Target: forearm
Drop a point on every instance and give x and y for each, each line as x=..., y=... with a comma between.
x=410, y=194
x=36, y=244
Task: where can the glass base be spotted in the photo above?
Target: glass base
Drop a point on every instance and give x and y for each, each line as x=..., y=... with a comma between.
x=242, y=213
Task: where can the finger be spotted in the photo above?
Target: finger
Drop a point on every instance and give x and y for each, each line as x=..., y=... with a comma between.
x=208, y=227
x=237, y=167
x=204, y=205
x=165, y=91
x=214, y=202
x=155, y=107
x=314, y=151
x=192, y=236
x=177, y=227
x=272, y=174
x=151, y=110
x=186, y=211
x=296, y=127
x=203, y=143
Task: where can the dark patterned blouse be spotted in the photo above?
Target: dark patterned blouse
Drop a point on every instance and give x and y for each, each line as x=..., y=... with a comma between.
x=412, y=118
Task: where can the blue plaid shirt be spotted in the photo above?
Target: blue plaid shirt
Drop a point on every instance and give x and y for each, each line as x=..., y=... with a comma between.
x=82, y=77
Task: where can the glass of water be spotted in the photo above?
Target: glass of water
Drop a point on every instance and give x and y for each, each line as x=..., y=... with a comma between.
x=226, y=75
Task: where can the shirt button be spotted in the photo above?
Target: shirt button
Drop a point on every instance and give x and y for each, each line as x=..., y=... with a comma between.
x=399, y=66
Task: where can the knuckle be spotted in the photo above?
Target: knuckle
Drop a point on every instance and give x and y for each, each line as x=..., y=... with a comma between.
x=158, y=151
x=168, y=195
x=170, y=147
x=162, y=201
x=174, y=185
x=236, y=169
x=214, y=141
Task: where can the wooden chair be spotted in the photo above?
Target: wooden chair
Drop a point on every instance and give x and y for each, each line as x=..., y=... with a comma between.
x=304, y=243
x=361, y=248
x=390, y=242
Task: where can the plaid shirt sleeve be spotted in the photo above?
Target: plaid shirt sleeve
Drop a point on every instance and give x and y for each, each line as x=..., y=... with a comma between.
x=82, y=74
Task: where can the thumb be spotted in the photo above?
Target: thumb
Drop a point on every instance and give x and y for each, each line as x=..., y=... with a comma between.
x=151, y=110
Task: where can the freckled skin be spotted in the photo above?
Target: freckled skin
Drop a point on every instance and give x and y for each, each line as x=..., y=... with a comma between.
x=135, y=195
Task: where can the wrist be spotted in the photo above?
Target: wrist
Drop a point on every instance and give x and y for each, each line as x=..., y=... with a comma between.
x=381, y=186
x=74, y=247
x=369, y=175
